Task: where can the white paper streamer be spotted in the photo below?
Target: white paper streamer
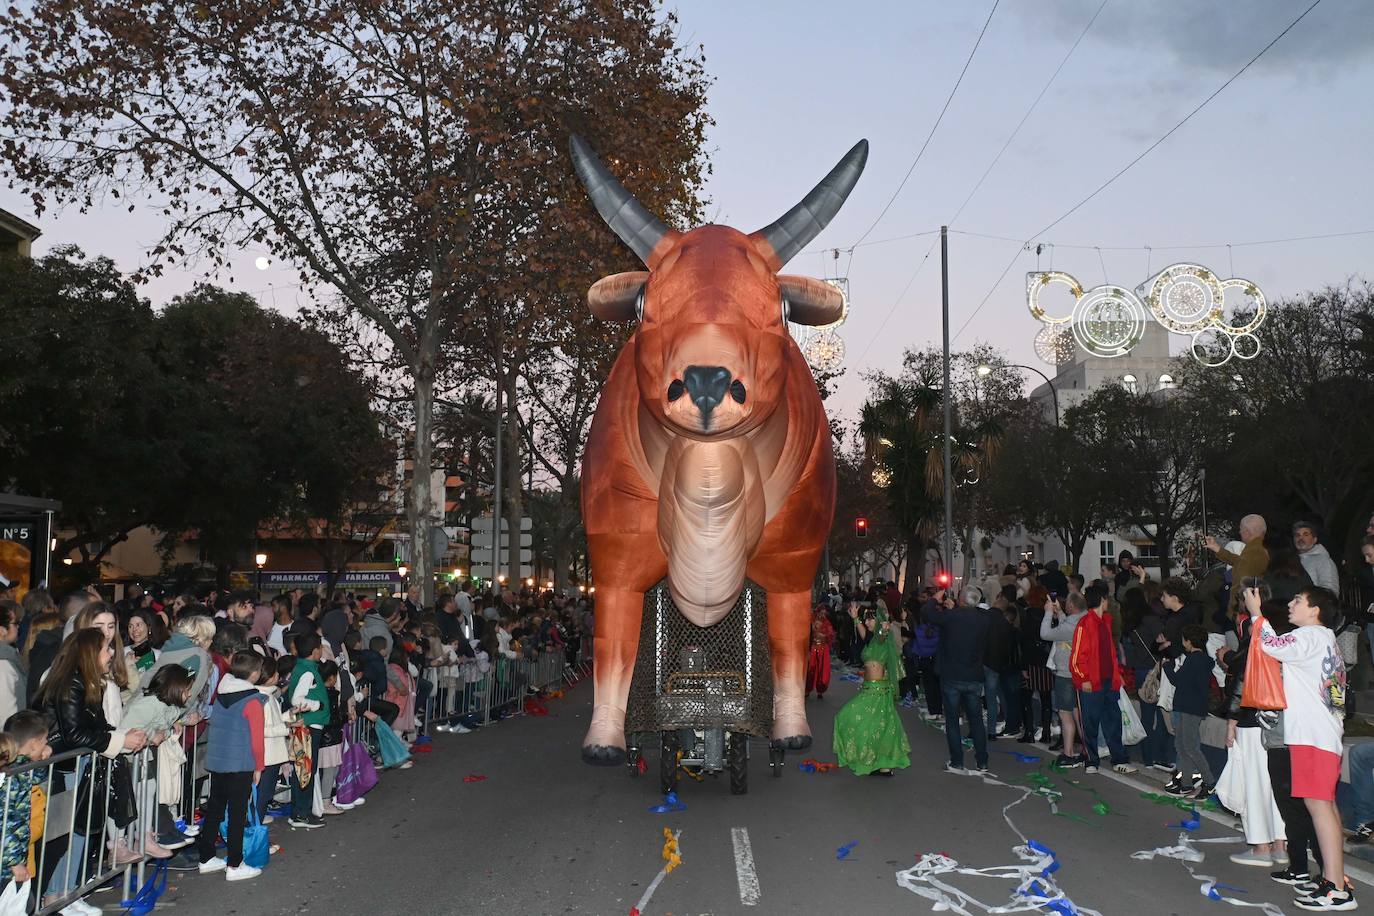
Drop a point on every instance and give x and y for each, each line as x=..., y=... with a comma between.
x=1188, y=855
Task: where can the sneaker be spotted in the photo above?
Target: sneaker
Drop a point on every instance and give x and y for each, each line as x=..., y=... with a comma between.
x=1290, y=877
x=1328, y=897
x=1362, y=833
x=407, y=765
x=268, y=818
x=984, y=771
x=1250, y=857
x=460, y=729
x=1280, y=856
x=443, y=729
x=191, y=830
x=241, y=872
x=156, y=850
x=1026, y=738
x=1065, y=762
x=80, y=908
x=952, y=768
x=1057, y=744
x=305, y=822
x=212, y=866
x=173, y=839
x=185, y=860
x=1090, y=768
x=345, y=806
x=123, y=855
x=1162, y=767
x=1125, y=769
x=331, y=809
x=1202, y=792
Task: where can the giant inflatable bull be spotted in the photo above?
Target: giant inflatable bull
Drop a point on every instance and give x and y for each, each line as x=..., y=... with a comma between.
x=709, y=457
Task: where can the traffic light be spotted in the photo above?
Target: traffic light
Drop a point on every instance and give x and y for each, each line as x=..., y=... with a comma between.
x=861, y=527
x=942, y=579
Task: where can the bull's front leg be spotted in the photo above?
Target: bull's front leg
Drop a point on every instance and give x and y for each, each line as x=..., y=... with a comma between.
x=789, y=631
x=618, y=615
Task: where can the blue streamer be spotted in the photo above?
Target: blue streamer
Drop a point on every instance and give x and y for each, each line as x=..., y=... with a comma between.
x=843, y=851
x=1192, y=823
x=669, y=806
x=1022, y=758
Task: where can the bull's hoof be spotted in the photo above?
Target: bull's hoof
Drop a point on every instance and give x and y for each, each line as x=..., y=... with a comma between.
x=794, y=742
x=601, y=755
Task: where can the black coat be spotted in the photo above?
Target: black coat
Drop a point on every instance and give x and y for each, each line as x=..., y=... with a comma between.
x=1002, y=651
x=963, y=641
x=45, y=646
x=74, y=725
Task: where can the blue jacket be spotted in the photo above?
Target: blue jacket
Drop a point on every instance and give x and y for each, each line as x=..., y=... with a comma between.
x=1191, y=688
x=236, y=738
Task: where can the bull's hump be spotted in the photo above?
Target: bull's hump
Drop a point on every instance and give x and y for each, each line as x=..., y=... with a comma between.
x=711, y=515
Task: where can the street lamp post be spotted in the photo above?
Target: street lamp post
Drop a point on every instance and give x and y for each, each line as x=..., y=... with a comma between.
x=985, y=370
x=401, y=570
x=260, y=560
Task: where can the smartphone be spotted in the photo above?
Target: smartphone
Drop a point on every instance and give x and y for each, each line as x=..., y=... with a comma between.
x=1054, y=596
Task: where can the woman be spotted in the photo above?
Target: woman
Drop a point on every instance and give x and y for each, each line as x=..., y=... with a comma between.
x=869, y=738
x=1025, y=578
x=123, y=676
x=818, y=659
x=14, y=679
x=40, y=648
x=139, y=631
x=73, y=696
x=1144, y=626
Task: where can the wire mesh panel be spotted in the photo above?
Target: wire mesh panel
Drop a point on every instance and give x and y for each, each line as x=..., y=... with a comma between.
x=688, y=676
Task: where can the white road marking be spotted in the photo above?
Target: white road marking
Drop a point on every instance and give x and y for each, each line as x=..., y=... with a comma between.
x=749, y=893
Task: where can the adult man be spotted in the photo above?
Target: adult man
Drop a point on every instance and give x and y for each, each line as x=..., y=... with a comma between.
x=412, y=603
x=1002, y=664
x=240, y=609
x=1057, y=627
x=1097, y=677
x=963, y=644
x=1315, y=558
x=1251, y=562
x=464, y=599
x=375, y=624
x=73, y=603
x=447, y=619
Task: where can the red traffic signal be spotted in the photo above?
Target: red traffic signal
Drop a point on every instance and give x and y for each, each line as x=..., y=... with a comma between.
x=861, y=527
x=942, y=579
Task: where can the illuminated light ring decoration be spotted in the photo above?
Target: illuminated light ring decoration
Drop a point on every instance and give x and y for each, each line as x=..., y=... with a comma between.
x=825, y=351
x=1245, y=346
x=1108, y=321
x=1036, y=281
x=882, y=476
x=1212, y=337
x=1054, y=344
x=1164, y=296
x=1257, y=299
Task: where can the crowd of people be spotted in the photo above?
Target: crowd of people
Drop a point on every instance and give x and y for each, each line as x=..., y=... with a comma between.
x=267, y=697
x=1051, y=657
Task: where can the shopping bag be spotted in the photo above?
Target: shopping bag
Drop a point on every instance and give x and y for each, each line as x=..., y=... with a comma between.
x=1132, y=729
x=298, y=752
x=1263, y=675
x=256, y=847
x=357, y=775
x=1166, y=691
x=393, y=749
x=15, y=899
x=170, y=760
x=145, y=901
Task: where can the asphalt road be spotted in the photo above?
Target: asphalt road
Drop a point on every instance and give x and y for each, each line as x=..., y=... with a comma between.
x=546, y=834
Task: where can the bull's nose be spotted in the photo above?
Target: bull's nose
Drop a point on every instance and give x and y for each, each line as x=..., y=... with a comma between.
x=706, y=386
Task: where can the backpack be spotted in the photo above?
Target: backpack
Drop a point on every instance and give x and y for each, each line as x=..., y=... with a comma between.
x=925, y=641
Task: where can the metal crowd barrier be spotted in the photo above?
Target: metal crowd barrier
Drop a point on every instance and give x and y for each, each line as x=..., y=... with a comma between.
x=459, y=694
x=75, y=852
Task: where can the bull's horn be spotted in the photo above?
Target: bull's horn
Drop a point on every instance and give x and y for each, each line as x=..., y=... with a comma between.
x=627, y=217
x=619, y=297
x=798, y=226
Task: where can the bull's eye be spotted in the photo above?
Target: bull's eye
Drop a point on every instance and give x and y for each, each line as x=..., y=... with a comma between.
x=676, y=389
x=737, y=391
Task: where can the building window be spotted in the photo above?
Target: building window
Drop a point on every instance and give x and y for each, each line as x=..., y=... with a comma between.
x=1106, y=552
x=1166, y=381
x=1146, y=552
x=1130, y=383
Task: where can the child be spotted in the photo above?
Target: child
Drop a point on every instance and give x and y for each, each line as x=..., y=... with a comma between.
x=234, y=758
x=1314, y=688
x=25, y=740
x=157, y=712
x=331, y=738
x=310, y=701
x=275, y=731
x=1191, y=690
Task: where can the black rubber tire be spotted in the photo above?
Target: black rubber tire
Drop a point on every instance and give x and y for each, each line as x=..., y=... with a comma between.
x=737, y=760
x=667, y=762
x=776, y=755
x=632, y=758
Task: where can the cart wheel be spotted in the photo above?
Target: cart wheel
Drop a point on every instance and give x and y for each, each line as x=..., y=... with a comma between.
x=737, y=759
x=776, y=754
x=634, y=759
x=667, y=762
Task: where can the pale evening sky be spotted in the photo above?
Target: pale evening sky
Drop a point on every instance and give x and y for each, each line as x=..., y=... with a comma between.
x=1283, y=152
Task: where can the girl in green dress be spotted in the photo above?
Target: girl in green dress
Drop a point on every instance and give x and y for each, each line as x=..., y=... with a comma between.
x=869, y=737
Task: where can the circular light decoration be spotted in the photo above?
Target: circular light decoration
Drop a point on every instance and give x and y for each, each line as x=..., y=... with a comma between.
x=1108, y=321
x=841, y=284
x=1245, y=346
x=1257, y=302
x=1212, y=348
x=1036, y=281
x=882, y=476
x=1185, y=298
x=825, y=351
x=1054, y=344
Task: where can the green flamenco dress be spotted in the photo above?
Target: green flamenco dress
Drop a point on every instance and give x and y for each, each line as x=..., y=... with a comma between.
x=868, y=734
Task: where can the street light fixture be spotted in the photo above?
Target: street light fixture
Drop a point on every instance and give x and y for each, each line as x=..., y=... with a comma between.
x=260, y=559
x=984, y=370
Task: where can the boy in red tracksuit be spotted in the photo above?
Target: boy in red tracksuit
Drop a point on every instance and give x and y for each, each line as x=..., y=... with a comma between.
x=1097, y=678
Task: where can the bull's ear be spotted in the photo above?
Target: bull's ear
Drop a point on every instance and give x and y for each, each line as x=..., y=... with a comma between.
x=810, y=302
x=619, y=297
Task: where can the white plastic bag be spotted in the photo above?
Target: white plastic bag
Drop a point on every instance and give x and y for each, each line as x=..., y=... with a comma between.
x=14, y=901
x=1132, y=729
x=1166, y=690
